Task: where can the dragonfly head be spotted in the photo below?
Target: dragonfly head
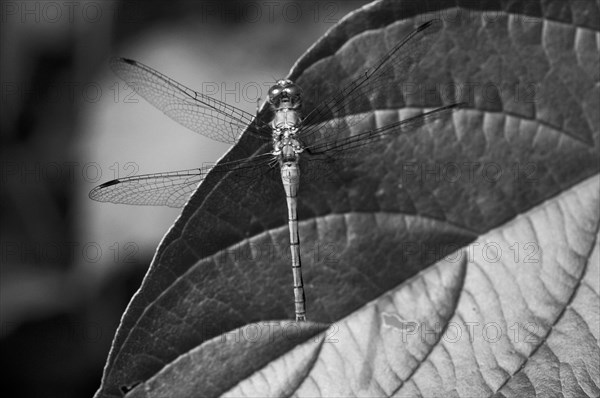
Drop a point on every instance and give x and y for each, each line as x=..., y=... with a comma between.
x=285, y=94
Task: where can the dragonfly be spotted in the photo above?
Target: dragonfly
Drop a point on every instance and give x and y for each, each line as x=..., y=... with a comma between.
x=291, y=132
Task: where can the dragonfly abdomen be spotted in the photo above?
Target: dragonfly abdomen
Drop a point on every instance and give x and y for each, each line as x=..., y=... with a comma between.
x=290, y=176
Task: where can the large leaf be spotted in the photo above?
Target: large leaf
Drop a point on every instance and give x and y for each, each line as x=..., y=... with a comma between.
x=530, y=133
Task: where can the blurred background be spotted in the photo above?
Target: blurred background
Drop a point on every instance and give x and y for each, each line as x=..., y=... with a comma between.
x=69, y=265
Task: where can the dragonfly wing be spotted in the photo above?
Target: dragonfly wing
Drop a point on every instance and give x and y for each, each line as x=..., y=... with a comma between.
x=332, y=147
x=334, y=160
x=337, y=115
x=173, y=189
x=196, y=111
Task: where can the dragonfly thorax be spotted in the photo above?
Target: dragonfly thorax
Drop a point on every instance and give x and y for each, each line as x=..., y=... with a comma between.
x=285, y=145
x=285, y=99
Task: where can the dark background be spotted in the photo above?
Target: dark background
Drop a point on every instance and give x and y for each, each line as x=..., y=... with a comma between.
x=69, y=265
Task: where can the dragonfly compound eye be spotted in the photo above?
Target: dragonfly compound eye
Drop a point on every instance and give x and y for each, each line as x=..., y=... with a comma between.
x=292, y=91
x=274, y=93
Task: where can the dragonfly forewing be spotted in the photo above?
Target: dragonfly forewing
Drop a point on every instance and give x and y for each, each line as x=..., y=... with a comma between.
x=198, y=112
x=370, y=89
